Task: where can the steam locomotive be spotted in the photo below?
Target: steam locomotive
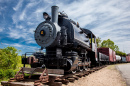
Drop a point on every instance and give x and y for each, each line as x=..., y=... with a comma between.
x=68, y=46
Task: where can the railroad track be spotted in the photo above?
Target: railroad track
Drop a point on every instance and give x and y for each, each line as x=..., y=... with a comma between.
x=52, y=80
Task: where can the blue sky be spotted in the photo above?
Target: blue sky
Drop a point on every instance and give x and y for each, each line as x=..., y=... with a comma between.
x=107, y=19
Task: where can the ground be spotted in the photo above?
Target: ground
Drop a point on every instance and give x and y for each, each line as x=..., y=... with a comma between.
x=125, y=72
x=108, y=76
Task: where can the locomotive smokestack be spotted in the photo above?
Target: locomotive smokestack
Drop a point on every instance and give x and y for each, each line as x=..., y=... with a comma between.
x=54, y=12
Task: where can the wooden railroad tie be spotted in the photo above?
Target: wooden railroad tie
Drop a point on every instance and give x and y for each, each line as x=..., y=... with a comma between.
x=79, y=75
x=71, y=79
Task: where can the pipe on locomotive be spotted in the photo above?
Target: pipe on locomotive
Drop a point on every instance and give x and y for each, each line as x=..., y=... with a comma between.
x=54, y=12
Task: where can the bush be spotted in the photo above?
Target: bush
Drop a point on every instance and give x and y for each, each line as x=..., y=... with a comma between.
x=10, y=73
x=15, y=71
x=9, y=58
x=1, y=74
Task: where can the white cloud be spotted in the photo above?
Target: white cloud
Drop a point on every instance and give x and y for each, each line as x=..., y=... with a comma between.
x=16, y=33
x=49, y=1
x=24, y=48
x=22, y=34
x=17, y=45
x=2, y=8
x=30, y=40
x=22, y=16
x=16, y=8
x=19, y=27
x=31, y=30
x=4, y=44
x=107, y=19
x=30, y=23
x=1, y=29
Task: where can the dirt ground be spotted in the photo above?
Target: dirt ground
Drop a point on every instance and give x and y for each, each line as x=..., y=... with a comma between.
x=108, y=76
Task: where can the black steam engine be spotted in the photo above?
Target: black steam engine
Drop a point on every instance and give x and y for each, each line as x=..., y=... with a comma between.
x=68, y=46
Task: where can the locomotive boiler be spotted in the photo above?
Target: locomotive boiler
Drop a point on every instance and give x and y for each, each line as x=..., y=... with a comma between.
x=68, y=46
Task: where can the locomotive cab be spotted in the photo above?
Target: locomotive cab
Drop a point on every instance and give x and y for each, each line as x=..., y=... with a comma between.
x=92, y=39
x=93, y=53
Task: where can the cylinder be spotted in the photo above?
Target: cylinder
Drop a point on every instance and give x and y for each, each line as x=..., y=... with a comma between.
x=54, y=12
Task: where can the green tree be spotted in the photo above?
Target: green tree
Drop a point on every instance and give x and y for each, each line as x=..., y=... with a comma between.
x=120, y=53
x=116, y=48
x=9, y=58
x=98, y=41
x=110, y=44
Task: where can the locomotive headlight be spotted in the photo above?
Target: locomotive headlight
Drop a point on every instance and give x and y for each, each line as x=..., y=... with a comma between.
x=42, y=33
x=46, y=16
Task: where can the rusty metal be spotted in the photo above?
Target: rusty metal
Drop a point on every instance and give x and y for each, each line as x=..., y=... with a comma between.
x=32, y=72
x=43, y=78
x=31, y=60
x=18, y=76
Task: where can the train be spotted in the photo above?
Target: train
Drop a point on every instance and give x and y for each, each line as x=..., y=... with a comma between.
x=111, y=56
x=68, y=46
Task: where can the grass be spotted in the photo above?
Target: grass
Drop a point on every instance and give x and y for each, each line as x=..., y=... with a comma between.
x=111, y=67
x=4, y=79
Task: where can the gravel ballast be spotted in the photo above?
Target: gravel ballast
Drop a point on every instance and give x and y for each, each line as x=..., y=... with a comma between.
x=108, y=76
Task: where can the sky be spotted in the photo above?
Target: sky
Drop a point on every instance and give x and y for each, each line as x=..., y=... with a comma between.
x=107, y=19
